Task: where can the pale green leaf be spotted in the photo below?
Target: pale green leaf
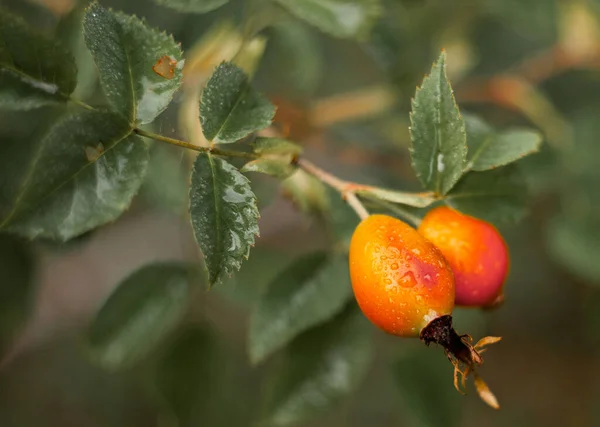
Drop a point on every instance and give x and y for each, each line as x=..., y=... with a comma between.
x=418, y=200
x=498, y=196
x=428, y=396
x=145, y=308
x=231, y=108
x=279, y=168
x=306, y=192
x=192, y=6
x=127, y=51
x=186, y=375
x=224, y=215
x=34, y=70
x=438, y=141
x=340, y=18
x=321, y=367
x=310, y=291
x=16, y=288
x=489, y=149
x=82, y=173
x=276, y=146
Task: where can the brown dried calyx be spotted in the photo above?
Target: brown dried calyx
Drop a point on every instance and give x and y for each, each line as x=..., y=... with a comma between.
x=464, y=356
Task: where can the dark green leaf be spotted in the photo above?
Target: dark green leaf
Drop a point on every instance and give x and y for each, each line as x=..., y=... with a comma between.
x=309, y=292
x=82, y=173
x=276, y=146
x=418, y=200
x=34, y=70
x=575, y=244
x=340, y=18
x=424, y=378
x=489, y=149
x=438, y=140
x=139, y=314
x=16, y=286
x=224, y=215
x=498, y=196
x=186, y=374
x=279, y=168
x=321, y=367
x=192, y=6
x=127, y=52
x=231, y=108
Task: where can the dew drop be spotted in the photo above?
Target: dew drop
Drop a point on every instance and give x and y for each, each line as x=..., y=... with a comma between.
x=388, y=281
x=383, y=258
x=416, y=251
x=408, y=280
x=394, y=266
x=427, y=277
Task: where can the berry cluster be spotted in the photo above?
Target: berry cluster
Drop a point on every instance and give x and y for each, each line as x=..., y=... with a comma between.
x=407, y=281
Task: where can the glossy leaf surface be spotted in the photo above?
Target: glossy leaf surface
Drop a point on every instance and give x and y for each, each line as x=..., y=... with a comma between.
x=438, y=140
x=140, y=67
x=224, y=215
x=82, y=173
x=231, y=108
x=489, y=149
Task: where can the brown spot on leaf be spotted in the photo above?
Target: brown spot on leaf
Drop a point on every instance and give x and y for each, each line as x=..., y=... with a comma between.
x=165, y=67
x=92, y=153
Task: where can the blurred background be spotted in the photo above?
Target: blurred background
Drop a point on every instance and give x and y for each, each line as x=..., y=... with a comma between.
x=525, y=62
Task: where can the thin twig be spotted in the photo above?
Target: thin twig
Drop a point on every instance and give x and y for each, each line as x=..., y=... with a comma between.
x=183, y=144
x=344, y=187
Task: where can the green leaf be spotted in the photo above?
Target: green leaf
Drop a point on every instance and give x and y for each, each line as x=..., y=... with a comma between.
x=498, y=196
x=231, y=108
x=276, y=146
x=16, y=288
x=126, y=51
x=82, y=173
x=279, y=168
x=186, y=376
x=418, y=200
x=223, y=213
x=489, y=149
x=139, y=314
x=438, y=141
x=306, y=192
x=340, y=18
x=321, y=367
x=192, y=6
x=575, y=245
x=34, y=70
x=307, y=293
x=428, y=396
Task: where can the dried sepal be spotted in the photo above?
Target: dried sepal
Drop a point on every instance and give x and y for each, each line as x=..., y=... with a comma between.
x=485, y=393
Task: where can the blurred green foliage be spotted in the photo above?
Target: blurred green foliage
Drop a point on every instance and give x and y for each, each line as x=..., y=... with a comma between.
x=531, y=63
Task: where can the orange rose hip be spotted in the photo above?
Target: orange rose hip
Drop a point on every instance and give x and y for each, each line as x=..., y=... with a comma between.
x=474, y=249
x=404, y=285
x=400, y=280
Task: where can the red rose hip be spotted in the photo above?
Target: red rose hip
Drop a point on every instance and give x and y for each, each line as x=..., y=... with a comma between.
x=476, y=252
